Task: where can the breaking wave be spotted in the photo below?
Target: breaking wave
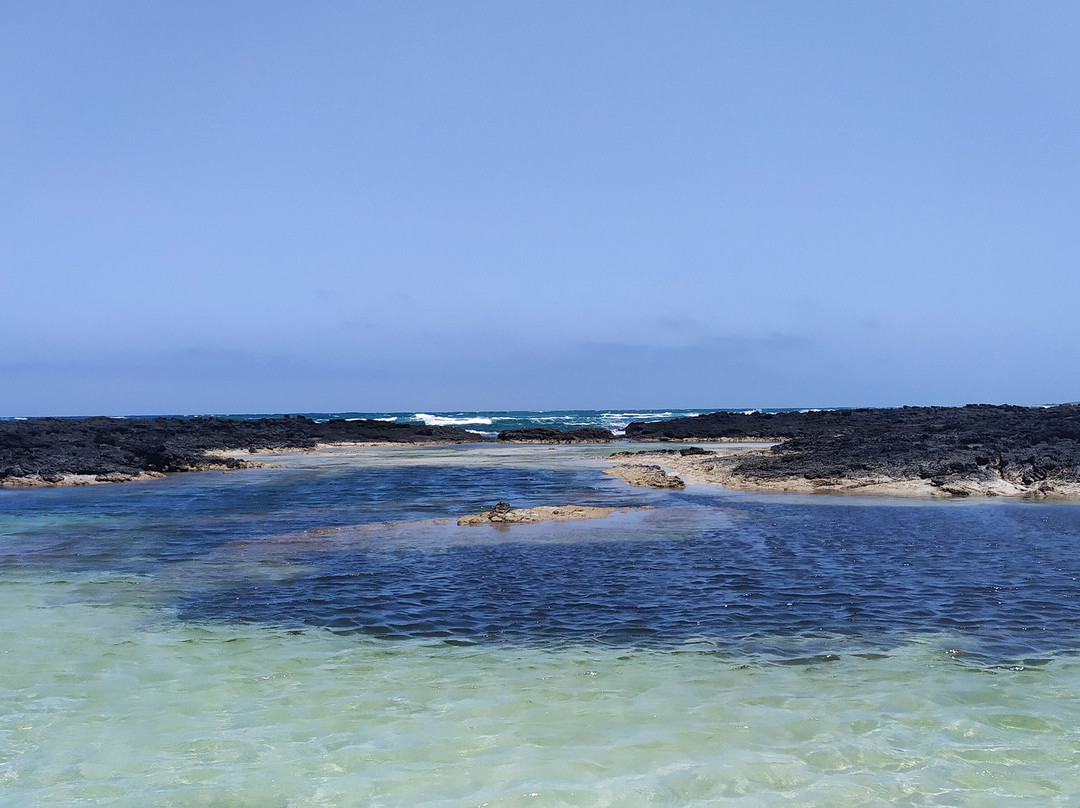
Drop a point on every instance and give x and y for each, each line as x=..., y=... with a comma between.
x=449, y=420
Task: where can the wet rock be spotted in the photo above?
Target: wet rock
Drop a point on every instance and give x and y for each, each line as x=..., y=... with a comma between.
x=645, y=476
x=635, y=453
x=54, y=447
x=692, y=451
x=113, y=477
x=960, y=449
x=540, y=434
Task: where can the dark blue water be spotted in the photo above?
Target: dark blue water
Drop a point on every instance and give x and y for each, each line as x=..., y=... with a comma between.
x=490, y=422
x=767, y=574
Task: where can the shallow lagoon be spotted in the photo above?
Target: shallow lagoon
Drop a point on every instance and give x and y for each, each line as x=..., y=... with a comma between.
x=186, y=642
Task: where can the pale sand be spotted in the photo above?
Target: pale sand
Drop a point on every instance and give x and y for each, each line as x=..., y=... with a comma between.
x=344, y=449
x=514, y=516
x=355, y=447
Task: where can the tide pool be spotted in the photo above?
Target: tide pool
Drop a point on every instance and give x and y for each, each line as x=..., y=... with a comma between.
x=190, y=641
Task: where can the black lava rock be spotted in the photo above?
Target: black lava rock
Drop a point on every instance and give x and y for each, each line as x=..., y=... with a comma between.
x=541, y=434
x=942, y=444
x=50, y=447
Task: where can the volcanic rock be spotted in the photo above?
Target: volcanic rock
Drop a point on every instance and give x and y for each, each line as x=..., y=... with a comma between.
x=541, y=434
x=50, y=449
x=945, y=451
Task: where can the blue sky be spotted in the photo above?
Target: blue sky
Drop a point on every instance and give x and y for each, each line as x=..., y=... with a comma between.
x=252, y=207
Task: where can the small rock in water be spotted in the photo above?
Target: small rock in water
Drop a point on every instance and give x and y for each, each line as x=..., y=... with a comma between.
x=502, y=514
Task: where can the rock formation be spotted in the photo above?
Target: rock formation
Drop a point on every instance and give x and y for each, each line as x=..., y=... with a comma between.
x=66, y=450
x=947, y=451
x=645, y=476
x=540, y=434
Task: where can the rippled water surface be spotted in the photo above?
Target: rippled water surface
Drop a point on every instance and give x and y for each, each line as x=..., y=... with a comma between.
x=266, y=638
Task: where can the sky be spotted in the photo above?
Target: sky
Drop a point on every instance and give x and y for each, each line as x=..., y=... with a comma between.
x=214, y=207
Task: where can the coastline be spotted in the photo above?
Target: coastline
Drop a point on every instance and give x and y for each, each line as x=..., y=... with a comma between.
x=723, y=470
x=930, y=452
x=941, y=452
x=50, y=452
x=68, y=480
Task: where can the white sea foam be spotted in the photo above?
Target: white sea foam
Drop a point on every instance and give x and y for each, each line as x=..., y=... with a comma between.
x=445, y=420
x=636, y=415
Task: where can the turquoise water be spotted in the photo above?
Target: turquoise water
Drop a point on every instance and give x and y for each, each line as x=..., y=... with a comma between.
x=262, y=638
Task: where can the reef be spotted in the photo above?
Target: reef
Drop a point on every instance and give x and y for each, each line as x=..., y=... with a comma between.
x=66, y=451
x=941, y=451
x=540, y=434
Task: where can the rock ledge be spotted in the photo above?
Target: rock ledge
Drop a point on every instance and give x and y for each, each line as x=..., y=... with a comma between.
x=645, y=476
x=543, y=434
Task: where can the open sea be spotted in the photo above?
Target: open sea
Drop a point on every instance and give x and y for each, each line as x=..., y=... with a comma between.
x=317, y=635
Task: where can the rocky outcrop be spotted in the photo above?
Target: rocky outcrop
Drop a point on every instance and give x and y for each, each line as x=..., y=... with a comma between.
x=942, y=451
x=60, y=451
x=540, y=434
x=690, y=451
x=502, y=514
x=645, y=476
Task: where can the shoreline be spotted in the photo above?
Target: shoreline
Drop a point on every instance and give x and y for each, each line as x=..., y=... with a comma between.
x=930, y=452
x=721, y=470
x=49, y=452
x=977, y=450
x=648, y=468
x=73, y=480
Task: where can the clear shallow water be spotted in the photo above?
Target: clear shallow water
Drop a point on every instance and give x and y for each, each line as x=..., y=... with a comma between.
x=186, y=642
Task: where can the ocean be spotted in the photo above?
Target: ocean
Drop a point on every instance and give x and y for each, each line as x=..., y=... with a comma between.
x=317, y=634
x=486, y=423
